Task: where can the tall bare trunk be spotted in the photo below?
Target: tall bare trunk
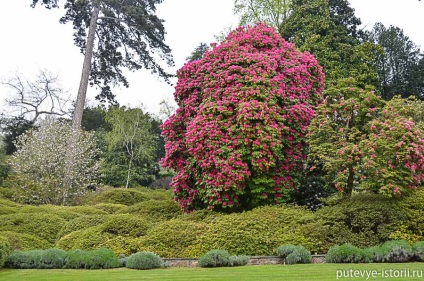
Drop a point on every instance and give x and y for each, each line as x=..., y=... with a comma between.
x=82, y=91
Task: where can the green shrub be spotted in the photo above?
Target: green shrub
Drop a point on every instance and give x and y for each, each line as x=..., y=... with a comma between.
x=125, y=225
x=110, y=208
x=94, y=259
x=363, y=220
x=24, y=242
x=144, y=260
x=157, y=210
x=76, y=259
x=257, y=232
x=238, y=260
x=174, y=238
x=284, y=250
x=394, y=251
x=122, y=196
x=101, y=258
x=82, y=222
x=61, y=211
x=419, y=250
x=87, y=239
x=299, y=255
x=5, y=250
x=25, y=260
x=215, y=258
x=52, y=258
x=42, y=225
x=292, y=254
x=346, y=253
x=122, y=259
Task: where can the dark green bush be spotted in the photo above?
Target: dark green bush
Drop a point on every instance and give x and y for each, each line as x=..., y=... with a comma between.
x=238, y=260
x=394, y=251
x=24, y=242
x=215, y=258
x=419, y=250
x=144, y=260
x=346, y=253
x=292, y=254
x=94, y=259
x=5, y=250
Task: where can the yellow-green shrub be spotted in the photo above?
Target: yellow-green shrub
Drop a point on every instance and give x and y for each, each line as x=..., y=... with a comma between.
x=125, y=196
x=154, y=209
x=257, y=232
x=82, y=222
x=110, y=208
x=125, y=225
x=24, y=242
x=5, y=250
x=174, y=238
x=41, y=225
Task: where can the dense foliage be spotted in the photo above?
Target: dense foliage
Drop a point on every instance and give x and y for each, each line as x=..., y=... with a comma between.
x=237, y=140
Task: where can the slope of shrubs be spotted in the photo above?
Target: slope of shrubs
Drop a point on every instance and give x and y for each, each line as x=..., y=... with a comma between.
x=155, y=224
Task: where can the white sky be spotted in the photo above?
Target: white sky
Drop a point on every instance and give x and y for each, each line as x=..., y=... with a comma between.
x=33, y=39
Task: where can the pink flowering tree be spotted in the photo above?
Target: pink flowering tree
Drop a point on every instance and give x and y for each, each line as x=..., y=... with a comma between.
x=238, y=138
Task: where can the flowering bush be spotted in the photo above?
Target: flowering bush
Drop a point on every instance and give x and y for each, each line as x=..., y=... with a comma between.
x=244, y=108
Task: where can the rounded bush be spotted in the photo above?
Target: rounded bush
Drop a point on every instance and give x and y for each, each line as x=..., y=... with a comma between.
x=394, y=251
x=94, y=259
x=122, y=196
x=125, y=225
x=215, y=258
x=345, y=253
x=144, y=260
x=52, y=258
x=284, y=250
x=110, y=208
x=5, y=250
x=299, y=255
x=238, y=260
x=25, y=260
x=419, y=250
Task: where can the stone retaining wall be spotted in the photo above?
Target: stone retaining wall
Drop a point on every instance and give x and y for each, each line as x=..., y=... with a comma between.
x=255, y=260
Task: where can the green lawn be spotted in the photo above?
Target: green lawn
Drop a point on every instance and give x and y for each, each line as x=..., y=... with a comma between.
x=319, y=272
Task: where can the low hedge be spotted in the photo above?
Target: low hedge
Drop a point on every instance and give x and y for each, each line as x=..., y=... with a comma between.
x=292, y=254
x=144, y=260
x=347, y=253
x=94, y=259
x=215, y=258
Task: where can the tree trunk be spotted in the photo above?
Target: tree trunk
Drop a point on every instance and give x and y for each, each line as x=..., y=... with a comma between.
x=129, y=173
x=82, y=91
x=350, y=181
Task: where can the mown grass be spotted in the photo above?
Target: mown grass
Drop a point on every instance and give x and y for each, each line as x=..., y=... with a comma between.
x=318, y=272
